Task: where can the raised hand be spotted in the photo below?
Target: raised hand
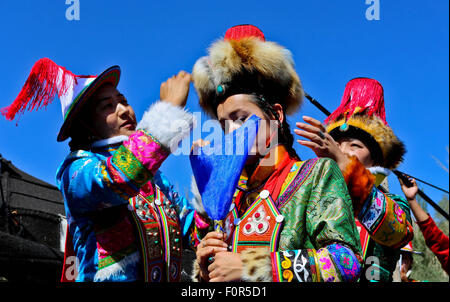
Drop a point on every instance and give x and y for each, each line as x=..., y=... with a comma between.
x=176, y=89
x=410, y=192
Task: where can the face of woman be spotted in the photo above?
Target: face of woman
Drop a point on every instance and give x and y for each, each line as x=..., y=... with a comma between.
x=235, y=110
x=111, y=115
x=355, y=147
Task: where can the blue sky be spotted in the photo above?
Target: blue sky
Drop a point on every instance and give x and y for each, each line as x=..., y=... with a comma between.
x=407, y=50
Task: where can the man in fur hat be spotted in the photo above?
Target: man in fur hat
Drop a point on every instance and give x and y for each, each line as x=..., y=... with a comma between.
x=358, y=137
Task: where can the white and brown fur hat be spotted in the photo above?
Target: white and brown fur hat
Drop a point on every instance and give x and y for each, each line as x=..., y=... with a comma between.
x=245, y=63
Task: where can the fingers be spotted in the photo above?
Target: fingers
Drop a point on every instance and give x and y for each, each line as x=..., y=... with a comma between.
x=307, y=127
x=216, y=235
x=212, y=242
x=310, y=135
x=308, y=144
x=184, y=75
x=314, y=123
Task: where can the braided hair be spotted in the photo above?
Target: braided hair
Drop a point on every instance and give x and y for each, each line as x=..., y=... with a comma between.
x=284, y=131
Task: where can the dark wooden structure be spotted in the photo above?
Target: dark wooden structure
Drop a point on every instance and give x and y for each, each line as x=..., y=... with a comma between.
x=31, y=221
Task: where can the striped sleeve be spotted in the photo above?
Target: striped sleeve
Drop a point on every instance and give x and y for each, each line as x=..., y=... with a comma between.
x=387, y=219
x=334, y=263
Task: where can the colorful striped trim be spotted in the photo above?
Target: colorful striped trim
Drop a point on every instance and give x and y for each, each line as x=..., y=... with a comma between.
x=92, y=85
x=288, y=266
x=346, y=262
x=125, y=160
x=117, y=182
x=144, y=245
x=276, y=267
x=273, y=243
x=392, y=230
x=363, y=236
x=326, y=266
x=116, y=257
x=147, y=150
x=314, y=265
x=367, y=203
x=165, y=227
x=302, y=175
x=375, y=213
x=75, y=101
x=276, y=232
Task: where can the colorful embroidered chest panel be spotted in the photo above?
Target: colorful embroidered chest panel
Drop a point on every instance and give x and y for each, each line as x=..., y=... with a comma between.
x=259, y=226
x=262, y=222
x=160, y=236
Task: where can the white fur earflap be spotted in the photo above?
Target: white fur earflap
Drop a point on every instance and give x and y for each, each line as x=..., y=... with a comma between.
x=167, y=123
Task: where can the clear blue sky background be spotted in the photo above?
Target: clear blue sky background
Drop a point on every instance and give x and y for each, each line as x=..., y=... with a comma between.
x=407, y=50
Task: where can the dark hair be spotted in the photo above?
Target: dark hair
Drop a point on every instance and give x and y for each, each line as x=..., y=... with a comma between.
x=368, y=140
x=80, y=131
x=284, y=131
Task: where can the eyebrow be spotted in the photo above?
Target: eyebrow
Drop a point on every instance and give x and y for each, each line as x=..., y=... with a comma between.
x=109, y=97
x=232, y=115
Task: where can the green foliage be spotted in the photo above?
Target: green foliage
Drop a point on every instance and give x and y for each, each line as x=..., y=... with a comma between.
x=426, y=267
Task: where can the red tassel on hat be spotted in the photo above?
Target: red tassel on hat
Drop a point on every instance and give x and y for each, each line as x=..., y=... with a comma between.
x=40, y=88
x=361, y=95
x=243, y=31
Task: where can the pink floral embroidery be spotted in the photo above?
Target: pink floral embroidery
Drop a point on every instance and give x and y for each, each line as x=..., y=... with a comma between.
x=399, y=213
x=149, y=152
x=327, y=262
x=346, y=260
x=378, y=202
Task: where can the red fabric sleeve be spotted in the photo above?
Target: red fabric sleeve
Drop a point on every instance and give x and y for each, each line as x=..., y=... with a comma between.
x=436, y=240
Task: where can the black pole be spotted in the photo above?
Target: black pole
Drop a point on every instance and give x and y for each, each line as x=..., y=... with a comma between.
x=421, y=194
x=406, y=181
x=317, y=104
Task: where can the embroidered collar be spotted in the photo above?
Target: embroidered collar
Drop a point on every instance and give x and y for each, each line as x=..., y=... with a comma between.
x=109, y=141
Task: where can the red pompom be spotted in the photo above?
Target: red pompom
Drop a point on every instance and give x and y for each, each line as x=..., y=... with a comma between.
x=243, y=31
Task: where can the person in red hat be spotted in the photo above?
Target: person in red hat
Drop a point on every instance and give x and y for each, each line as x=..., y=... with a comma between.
x=125, y=221
x=291, y=220
x=435, y=239
x=357, y=136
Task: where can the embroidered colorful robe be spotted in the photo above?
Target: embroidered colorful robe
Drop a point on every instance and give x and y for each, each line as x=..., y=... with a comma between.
x=383, y=220
x=308, y=229
x=125, y=221
x=385, y=226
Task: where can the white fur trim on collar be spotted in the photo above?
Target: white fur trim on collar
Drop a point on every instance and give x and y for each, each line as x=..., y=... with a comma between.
x=379, y=170
x=109, y=141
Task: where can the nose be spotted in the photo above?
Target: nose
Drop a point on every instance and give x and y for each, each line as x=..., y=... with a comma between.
x=231, y=126
x=122, y=110
x=345, y=149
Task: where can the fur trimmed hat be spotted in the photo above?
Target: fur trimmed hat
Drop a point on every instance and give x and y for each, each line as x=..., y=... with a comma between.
x=361, y=115
x=245, y=63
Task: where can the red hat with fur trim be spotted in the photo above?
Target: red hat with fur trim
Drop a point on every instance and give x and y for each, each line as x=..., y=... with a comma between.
x=361, y=115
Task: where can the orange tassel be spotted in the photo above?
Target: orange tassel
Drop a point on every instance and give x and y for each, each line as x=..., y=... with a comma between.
x=359, y=183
